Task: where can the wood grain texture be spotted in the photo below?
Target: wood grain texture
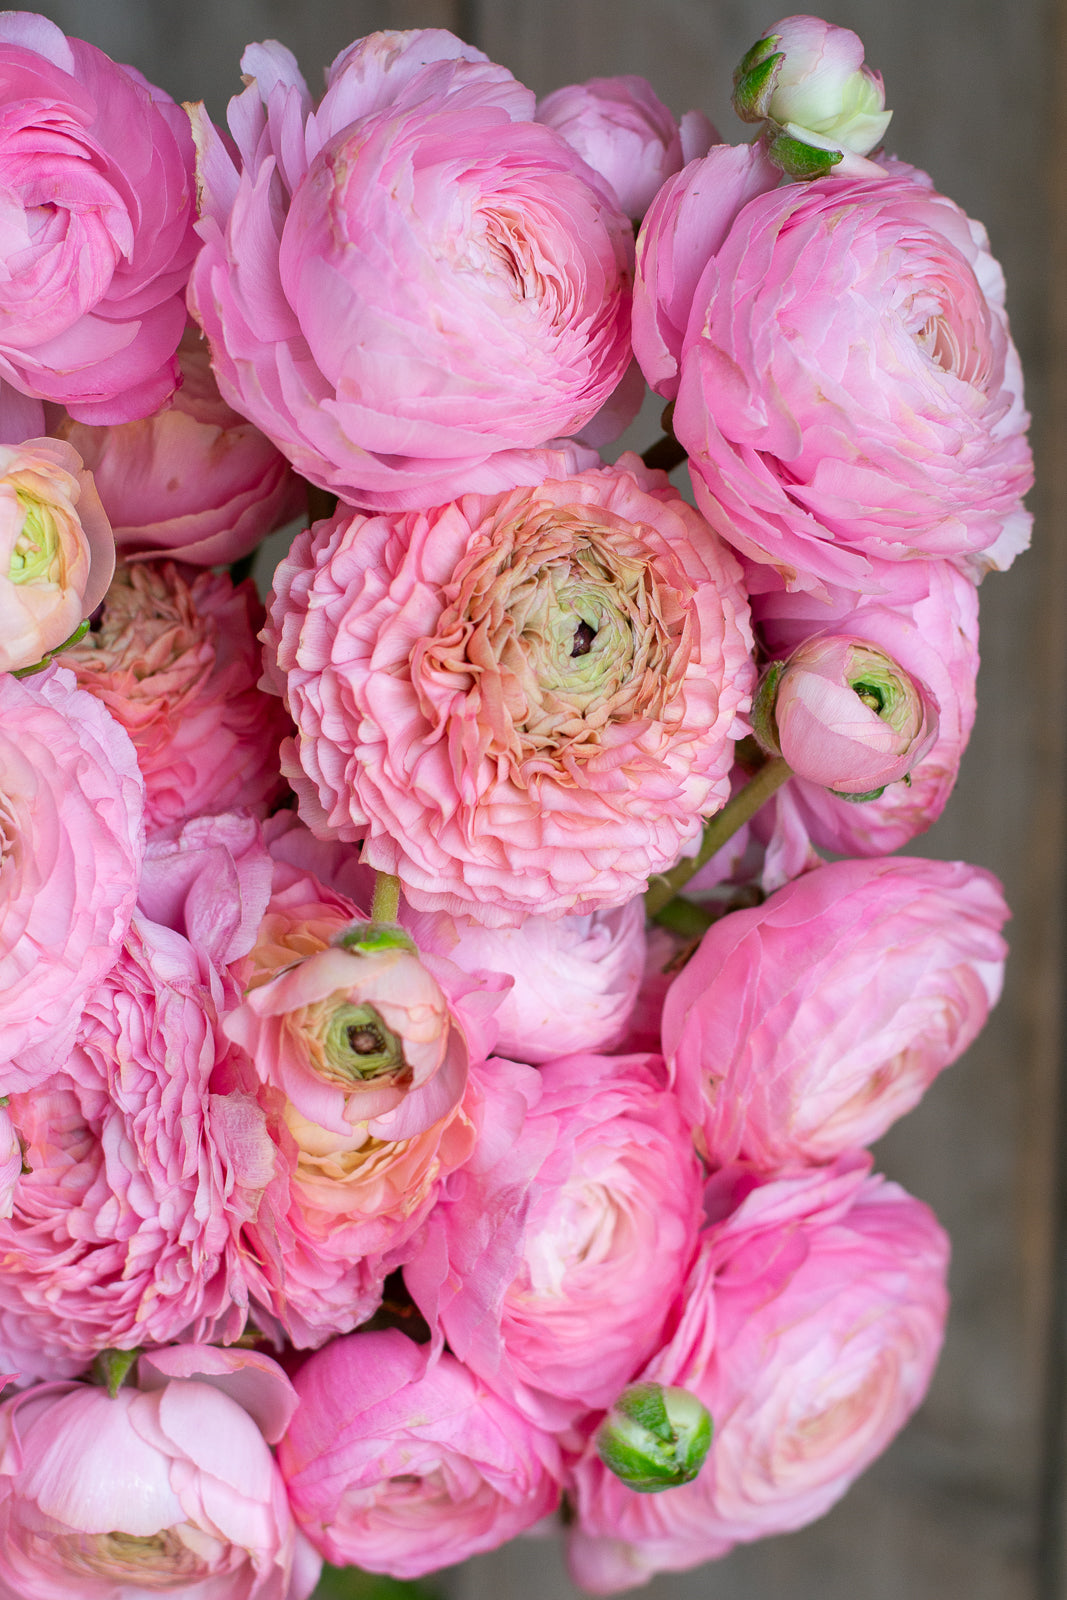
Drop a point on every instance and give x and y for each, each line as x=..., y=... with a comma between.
x=952, y=1510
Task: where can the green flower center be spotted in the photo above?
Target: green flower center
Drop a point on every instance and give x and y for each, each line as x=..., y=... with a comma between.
x=358, y=1046
x=884, y=691
x=36, y=557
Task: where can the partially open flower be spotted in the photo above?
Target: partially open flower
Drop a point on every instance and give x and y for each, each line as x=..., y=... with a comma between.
x=359, y=1038
x=845, y=715
x=56, y=550
x=167, y=1487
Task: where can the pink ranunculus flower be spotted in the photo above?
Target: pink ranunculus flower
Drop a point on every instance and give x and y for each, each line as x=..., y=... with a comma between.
x=891, y=431
x=576, y=978
x=336, y=1212
x=168, y=1486
x=845, y=715
x=621, y=129
x=364, y=1090
x=209, y=880
x=400, y=1467
x=71, y=848
x=123, y=1231
x=417, y=289
x=522, y=703
x=57, y=555
x=812, y=1321
x=347, y=1021
x=194, y=481
x=590, y=1178
x=807, y=1025
x=97, y=169
x=174, y=658
x=926, y=618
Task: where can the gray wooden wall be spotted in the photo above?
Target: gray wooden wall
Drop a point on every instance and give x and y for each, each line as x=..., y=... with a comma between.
x=968, y=1503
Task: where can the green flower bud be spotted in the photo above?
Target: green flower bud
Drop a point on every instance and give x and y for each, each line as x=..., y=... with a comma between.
x=654, y=1437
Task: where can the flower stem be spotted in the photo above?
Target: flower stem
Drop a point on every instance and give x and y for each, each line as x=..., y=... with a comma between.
x=385, y=905
x=722, y=826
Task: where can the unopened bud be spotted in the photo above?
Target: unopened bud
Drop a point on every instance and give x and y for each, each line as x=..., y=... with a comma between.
x=845, y=716
x=823, y=108
x=654, y=1437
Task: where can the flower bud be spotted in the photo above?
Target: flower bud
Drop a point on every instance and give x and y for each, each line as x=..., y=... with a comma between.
x=845, y=715
x=824, y=108
x=654, y=1437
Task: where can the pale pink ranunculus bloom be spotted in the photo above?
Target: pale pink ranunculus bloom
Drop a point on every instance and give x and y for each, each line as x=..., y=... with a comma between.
x=194, y=481
x=926, y=618
x=522, y=703
x=588, y=1174
x=71, y=849
x=807, y=1025
x=98, y=178
x=845, y=715
x=893, y=430
x=812, y=1321
x=123, y=1229
x=575, y=978
x=419, y=286
x=397, y=1466
x=622, y=130
x=57, y=555
x=175, y=660
x=169, y=1485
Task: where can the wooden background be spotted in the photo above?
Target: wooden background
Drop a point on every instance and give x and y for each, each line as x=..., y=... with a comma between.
x=970, y=1501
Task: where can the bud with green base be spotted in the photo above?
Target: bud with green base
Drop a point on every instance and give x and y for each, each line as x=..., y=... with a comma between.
x=844, y=715
x=823, y=109
x=654, y=1438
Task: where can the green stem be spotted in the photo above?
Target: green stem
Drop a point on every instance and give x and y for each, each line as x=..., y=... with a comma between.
x=741, y=809
x=385, y=905
x=685, y=918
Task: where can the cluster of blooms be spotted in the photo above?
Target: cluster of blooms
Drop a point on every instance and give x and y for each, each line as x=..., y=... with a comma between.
x=373, y=1180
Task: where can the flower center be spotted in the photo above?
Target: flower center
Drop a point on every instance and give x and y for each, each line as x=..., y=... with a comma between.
x=37, y=556
x=161, y=1561
x=358, y=1046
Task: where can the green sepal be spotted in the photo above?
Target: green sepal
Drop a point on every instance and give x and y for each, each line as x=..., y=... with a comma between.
x=752, y=58
x=374, y=938
x=644, y=1404
x=112, y=1367
x=799, y=160
x=46, y=660
x=753, y=88
x=764, y=726
x=858, y=799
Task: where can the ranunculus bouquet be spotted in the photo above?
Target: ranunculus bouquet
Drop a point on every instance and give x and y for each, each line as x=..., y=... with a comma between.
x=392, y=1155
